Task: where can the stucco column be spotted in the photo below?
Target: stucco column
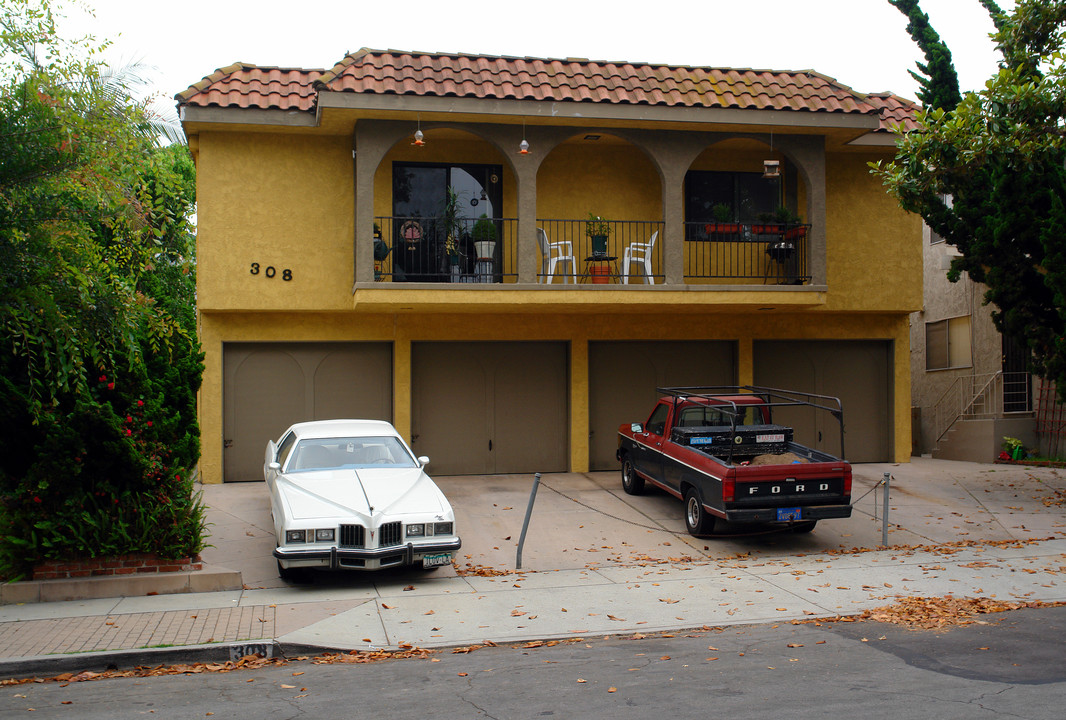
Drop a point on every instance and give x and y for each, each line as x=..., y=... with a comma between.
x=808, y=154
x=745, y=361
x=579, y=403
x=525, y=169
x=401, y=382
x=673, y=236
x=369, y=145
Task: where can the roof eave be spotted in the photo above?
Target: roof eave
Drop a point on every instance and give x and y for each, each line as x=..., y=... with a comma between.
x=590, y=111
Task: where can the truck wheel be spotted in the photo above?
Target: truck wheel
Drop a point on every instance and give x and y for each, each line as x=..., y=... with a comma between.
x=697, y=520
x=632, y=483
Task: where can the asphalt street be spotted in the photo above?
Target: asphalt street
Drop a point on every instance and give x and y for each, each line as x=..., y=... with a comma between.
x=1007, y=665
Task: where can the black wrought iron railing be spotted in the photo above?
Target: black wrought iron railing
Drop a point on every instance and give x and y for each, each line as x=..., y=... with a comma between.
x=430, y=249
x=625, y=251
x=766, y=252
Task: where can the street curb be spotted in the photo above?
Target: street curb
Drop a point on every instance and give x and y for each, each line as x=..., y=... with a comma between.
x=52, y=665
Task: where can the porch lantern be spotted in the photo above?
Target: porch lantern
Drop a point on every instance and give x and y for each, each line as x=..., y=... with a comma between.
x=771, y=169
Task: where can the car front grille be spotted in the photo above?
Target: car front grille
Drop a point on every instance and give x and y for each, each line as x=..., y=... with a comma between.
x=391, y=534
x=353, y=536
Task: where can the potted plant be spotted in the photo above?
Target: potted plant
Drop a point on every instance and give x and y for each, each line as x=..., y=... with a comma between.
x=597, y=230
x=723, y=221
x=484, y=237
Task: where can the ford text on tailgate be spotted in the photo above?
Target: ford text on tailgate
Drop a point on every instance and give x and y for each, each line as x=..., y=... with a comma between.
x=719, y=450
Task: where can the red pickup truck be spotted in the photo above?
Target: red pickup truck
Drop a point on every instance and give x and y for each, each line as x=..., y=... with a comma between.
x=718, y=449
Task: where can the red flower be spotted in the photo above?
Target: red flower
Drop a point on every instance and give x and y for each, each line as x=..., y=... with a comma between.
x=149, y=423
x=128, y=432
x=129, y=418
x=36, y=499
x=103, y=378
x=140, y=403
x=111, y=386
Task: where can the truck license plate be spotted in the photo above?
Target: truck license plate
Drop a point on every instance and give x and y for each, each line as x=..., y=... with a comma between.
x=789, y=514
x=437, y=560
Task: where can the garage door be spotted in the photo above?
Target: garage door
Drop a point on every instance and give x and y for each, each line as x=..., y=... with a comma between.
x=268, y=386
x=857, y=372
x=623, y=377
x=484, y=408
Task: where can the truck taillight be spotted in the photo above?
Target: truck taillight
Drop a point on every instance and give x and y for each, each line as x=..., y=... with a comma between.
x=847, y=483
x=729, y=489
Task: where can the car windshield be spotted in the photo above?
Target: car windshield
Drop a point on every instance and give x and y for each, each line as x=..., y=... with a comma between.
x=349, y=452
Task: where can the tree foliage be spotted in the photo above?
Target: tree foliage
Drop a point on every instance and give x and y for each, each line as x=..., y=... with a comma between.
x=99, y=362
x=989, y=177
x=938, y=81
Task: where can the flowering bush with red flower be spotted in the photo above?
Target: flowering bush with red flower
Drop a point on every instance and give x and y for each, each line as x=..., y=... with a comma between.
x=99, y=360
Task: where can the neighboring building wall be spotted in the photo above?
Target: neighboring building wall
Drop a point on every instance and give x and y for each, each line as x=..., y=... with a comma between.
x=944, y=300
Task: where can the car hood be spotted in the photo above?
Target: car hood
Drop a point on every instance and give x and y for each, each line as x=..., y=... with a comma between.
x=331, y=493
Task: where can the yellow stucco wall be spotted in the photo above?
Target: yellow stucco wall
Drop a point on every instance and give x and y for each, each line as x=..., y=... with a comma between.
x=282, y=201
x=873, y=249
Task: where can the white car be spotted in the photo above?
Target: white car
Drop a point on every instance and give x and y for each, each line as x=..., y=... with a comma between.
x=350, y=495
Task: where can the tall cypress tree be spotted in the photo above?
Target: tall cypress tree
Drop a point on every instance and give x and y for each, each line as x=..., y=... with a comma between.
x=938, y=80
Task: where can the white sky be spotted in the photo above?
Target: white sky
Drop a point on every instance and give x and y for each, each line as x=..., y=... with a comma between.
x=861, y=43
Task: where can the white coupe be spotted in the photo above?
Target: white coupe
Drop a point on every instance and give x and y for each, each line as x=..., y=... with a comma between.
x=350, y=494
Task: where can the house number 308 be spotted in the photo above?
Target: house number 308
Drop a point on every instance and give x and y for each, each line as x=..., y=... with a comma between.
x=270, y=272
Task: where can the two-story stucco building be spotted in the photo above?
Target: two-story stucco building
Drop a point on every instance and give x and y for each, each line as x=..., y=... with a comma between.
x=408, y=237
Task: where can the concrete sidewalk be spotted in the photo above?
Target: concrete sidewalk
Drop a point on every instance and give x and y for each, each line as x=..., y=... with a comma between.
x=595, y=562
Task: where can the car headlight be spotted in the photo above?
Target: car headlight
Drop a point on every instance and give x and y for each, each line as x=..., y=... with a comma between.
x=325, y=535
x=442, y=528
x=295, y=536
x=416, y=530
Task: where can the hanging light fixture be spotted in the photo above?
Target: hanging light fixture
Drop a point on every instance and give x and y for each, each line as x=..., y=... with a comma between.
x=419, y=141
x=771, y=169
x=523, y=147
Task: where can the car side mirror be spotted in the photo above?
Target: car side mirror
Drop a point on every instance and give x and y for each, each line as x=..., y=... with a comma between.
x=275, y=466
x=636, y=427
x=423, y=460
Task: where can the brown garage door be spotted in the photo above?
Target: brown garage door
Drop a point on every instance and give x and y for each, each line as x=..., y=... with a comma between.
x=268, y=386
x=623, y=377
x=485, y=407
x=858, y=372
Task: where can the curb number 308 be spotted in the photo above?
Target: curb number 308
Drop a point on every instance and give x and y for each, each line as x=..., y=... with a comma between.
x=269, y=271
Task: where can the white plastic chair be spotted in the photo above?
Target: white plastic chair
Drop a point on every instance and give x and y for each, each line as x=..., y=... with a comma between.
x=553, y=253
x=639, y=252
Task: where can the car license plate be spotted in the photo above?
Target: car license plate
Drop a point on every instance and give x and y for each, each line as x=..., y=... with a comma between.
x=789, y=514
x=429, y=561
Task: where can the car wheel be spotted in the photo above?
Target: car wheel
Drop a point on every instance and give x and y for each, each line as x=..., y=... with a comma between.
x=804, y=527
x=632, y=483
x=697, y=520
x=294, y=575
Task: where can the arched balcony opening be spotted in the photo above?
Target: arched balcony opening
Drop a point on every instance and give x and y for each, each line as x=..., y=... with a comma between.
x=445, y=210
x=599, y=212
x=745, y=216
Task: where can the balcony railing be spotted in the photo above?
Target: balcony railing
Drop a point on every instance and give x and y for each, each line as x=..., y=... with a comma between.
x=418, y=249
x=485, y=250
x=766, y=252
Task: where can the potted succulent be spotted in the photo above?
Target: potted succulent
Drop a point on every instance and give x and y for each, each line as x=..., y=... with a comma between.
x=597, y=230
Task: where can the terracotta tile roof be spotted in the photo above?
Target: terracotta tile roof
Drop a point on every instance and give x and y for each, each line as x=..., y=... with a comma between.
x=578, y=80
x=394, y=72
x=895, y=110
x=248, y=86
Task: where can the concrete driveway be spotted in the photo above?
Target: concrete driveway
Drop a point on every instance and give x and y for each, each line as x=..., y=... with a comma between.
x=585, y=520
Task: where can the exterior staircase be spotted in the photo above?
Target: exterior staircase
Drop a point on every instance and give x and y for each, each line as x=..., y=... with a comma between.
x=977, y=411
